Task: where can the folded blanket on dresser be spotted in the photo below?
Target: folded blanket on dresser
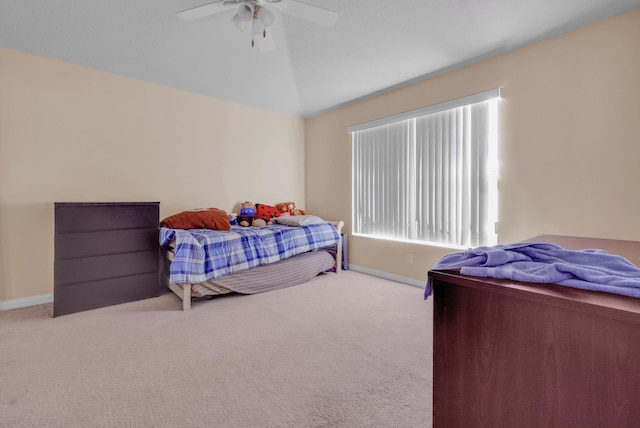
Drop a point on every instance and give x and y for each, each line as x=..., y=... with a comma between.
x=591, y=269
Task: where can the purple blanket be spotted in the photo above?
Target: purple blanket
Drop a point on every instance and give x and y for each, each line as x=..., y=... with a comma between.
x=547, y=263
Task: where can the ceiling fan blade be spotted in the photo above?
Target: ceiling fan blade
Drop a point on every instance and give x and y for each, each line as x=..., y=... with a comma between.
x=315, y=14
x=263, y=38
x=206, y=10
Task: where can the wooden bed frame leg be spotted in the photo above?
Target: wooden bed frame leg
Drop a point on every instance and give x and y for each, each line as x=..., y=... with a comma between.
x=183, y=291
x=338, y=225
x=186, y=297
x=339, y=256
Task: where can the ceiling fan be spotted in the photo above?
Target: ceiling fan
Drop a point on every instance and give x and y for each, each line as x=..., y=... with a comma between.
x=260, y=17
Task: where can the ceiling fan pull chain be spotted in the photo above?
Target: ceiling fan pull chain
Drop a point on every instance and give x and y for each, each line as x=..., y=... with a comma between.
x=253, y=22
x=256, y=10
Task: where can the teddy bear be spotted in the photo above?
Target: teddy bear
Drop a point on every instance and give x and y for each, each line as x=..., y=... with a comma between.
x=247, y=214
x=259, y=222
x=289, y=208
x=247, y=208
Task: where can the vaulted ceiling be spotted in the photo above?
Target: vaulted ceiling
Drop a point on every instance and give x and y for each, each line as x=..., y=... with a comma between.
x=374, y=46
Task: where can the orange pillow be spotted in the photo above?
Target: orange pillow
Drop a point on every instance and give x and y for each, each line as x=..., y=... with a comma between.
x=202, y=218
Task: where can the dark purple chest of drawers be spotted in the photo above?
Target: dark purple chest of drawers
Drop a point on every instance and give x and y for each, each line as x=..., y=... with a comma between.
x=105, y=254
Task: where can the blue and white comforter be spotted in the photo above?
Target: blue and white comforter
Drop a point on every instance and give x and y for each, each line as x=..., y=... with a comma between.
x=201, y=254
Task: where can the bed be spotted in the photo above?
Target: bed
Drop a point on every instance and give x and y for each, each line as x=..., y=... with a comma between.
x=201, y=263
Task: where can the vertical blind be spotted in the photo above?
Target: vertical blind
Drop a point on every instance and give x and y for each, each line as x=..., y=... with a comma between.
x=430, y=177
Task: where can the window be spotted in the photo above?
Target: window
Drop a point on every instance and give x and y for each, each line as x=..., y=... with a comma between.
x=429, y=175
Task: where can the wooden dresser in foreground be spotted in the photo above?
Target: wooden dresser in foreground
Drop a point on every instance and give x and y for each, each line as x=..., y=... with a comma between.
x=105, y=254
x=510, y=354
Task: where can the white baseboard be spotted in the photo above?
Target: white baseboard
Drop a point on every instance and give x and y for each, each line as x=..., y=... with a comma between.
x=389, y=276
x=26, y=301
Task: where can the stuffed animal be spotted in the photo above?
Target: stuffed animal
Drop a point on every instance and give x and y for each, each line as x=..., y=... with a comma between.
x=290, y=207
x=233, y=219
x=266, y=212
x=246, y=221
x=259, y=222
x=247, y=208
x=247, y=216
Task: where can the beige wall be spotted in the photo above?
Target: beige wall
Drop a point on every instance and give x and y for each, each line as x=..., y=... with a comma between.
x=70, y=133
x=569, y=141
x=569, y=148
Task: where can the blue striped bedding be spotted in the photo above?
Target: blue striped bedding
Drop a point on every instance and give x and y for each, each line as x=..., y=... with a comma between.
x=202, y=254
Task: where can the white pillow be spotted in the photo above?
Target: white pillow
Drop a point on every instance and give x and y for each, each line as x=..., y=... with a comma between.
x=299, y=220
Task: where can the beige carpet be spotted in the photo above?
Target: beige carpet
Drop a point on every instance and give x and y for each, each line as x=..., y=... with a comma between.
x=338, y=351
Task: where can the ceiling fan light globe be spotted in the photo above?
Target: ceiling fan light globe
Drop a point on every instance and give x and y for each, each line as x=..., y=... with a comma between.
x=245, y=11
x=239, y=22
x=266, y=17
